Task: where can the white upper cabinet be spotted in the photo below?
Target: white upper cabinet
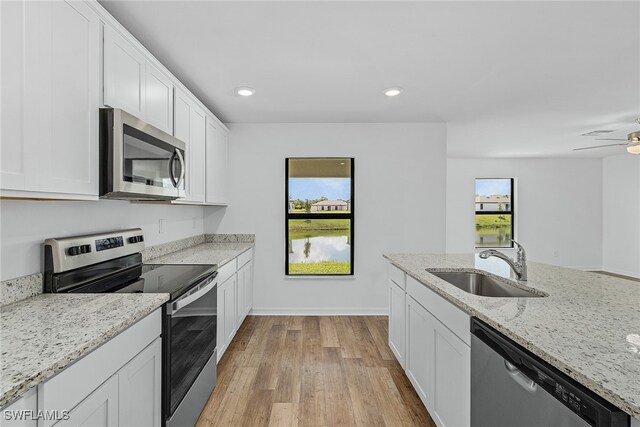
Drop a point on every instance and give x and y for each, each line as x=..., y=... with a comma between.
x=51, y=74
x=133, y=83
x=189, y=127
x=60, y=61
x=217, y=158
x=195, y=153
x=159, y=99
x=124, y=74
x=18, y=173
x=182, y=116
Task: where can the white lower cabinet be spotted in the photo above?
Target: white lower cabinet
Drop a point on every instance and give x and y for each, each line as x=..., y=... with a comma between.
x=230, y=304
x=13, y=414
x=397, y=321
x=117, y=384
x=437, y=352
x=235, y=298
x=140, y=388
x=419, y=366
x=451, y=404
x=99, y=409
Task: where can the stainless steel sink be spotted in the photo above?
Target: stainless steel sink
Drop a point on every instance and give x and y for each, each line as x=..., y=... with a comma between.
x=482, y=285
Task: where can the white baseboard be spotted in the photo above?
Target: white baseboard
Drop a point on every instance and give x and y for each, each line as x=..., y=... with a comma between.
x=319, y=311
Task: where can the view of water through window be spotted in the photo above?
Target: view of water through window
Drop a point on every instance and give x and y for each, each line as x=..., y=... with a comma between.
x=319, y=216
x=494, y=212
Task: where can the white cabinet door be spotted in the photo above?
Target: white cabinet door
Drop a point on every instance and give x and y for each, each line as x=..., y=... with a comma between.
x=221, y=344
x=240, y=294
x=139, y=384
x=52, y=79
x=12, y=415
x=248, y=288
x=217, y=163
x=69, y=98
x=190, y=127
x=124, y=74
x=181, y=116
x=18, y=170
x=230, y=322
x=196, y=156
x=226, y=315
x=397, y=307
x=419, y=348
x=452, y=378
x=99, y=409
x=159, y=99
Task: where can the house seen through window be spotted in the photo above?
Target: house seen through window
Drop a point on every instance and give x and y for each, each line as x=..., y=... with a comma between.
x=495, y=216
x=319, y=216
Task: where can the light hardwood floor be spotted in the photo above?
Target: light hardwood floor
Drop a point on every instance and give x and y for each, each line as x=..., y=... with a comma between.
x=312, y=371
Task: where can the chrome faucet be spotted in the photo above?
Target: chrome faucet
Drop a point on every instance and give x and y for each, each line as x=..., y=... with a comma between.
x=519, y=266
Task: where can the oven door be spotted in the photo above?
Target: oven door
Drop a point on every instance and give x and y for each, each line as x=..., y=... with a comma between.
x=190, y=353
x=137, y=160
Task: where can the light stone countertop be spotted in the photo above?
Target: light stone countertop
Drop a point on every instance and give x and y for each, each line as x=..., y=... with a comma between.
x=205, y=253
x=42, y=335
x=588, y=326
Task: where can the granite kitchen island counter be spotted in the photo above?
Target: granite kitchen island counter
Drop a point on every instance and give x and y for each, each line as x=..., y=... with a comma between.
x=588, y=326
x=42, y=335
x=205, y=253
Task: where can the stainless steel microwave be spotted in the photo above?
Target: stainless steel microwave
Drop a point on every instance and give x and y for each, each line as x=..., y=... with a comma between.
x=137, y=160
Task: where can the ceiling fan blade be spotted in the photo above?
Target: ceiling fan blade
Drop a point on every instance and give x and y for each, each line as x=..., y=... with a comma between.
x=598, y=146
x=611, y=139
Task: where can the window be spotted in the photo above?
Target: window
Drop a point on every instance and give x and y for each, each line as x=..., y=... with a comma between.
x=494, y=212
x=319, y=216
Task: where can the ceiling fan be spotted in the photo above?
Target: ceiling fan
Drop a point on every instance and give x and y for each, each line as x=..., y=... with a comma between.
x=632, y=143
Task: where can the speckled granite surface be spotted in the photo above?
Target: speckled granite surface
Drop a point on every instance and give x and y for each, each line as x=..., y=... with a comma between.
x=230, y=238
x=588, y=326
x=170, y=247
x=206, y=253
x=42, y=335
x=20, y=288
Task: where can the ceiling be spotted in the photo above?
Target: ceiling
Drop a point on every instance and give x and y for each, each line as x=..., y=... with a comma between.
x=510, y=79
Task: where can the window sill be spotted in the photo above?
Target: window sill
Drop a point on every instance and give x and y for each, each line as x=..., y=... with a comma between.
x=320, y=277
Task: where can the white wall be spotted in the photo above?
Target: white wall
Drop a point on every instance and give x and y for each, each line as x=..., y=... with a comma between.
x=621, y=214
x=399, y=200
x=25, y=225
x=558, y=207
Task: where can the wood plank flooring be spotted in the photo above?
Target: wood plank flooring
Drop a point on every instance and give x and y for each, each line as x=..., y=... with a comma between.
x=312, y=371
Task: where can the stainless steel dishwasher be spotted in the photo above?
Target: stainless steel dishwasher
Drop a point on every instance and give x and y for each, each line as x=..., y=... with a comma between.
x=511, y=387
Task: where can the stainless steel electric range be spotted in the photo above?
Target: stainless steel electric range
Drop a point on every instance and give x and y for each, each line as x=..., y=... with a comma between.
x=112, y=262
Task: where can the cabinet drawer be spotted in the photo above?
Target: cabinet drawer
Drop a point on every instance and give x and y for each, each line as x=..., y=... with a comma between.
x=245, y=257
x=226, y=271
x=397, y=276
x=448, y=314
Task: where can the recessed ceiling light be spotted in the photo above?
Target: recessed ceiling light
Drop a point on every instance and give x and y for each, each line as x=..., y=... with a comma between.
x=245, y=91
x=393, y=91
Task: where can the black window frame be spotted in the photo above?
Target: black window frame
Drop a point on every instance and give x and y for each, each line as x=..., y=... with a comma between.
x=288, y=215
x=511, y=212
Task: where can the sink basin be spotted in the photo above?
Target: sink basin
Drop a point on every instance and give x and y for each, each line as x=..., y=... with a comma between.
x=481, y=284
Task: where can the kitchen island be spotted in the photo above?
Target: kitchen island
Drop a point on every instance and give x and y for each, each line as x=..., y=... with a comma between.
x=588, y=325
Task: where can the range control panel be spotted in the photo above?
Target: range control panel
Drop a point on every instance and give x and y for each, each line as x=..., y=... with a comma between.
x=67, y=253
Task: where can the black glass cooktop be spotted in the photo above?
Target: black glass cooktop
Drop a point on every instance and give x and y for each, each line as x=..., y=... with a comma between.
x=125, y=276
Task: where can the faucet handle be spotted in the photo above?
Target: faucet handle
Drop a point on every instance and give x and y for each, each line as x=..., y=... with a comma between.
x=521, y=252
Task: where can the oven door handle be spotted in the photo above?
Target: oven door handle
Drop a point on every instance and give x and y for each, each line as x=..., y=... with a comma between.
x=177, y=155
x=191, y=297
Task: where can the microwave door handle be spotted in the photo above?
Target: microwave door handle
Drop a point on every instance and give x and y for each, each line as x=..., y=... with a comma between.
x=182, y=168
x=172, y=160
x=176, y=181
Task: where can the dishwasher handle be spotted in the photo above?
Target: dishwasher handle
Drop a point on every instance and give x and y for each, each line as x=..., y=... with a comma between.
x=521, y=379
